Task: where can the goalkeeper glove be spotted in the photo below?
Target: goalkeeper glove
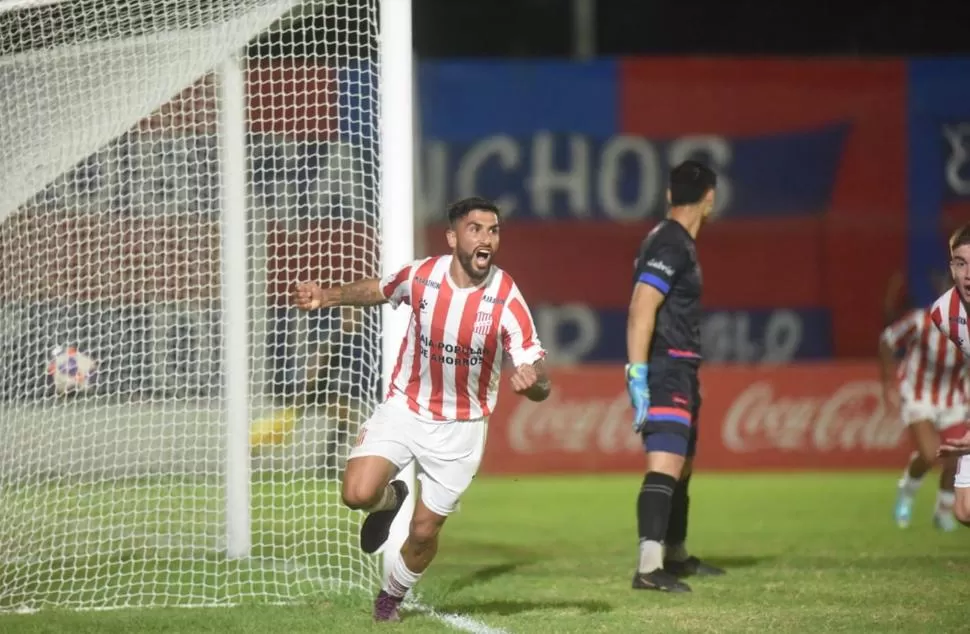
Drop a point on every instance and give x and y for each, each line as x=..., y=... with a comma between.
x=636, y=387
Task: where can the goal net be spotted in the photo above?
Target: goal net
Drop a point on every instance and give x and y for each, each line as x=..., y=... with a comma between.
x=171, y=432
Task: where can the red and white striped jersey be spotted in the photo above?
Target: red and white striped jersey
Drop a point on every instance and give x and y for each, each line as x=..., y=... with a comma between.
x=457, y=340
x=933, y=370
x=950, y=316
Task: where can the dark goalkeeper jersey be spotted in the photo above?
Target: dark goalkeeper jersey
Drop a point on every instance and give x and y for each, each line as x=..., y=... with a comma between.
x=668, y=262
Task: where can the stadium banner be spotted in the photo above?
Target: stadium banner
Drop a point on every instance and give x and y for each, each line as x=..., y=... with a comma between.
x=576, y=333
x=811, y=156
x=805, y=416
x=938, y=122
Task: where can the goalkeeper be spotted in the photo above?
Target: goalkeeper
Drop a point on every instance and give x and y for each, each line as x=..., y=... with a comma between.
x=663, y=349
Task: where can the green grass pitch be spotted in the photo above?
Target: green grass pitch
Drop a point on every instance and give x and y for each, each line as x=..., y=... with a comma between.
x=805, y=553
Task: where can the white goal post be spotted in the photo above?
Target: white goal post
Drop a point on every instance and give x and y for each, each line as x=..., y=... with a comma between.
x=171, y=431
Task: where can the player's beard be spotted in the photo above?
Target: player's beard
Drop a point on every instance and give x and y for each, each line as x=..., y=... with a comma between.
x=466, y=260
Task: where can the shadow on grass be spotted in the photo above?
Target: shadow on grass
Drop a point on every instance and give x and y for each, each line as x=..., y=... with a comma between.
x=506, y=608
x=733, y=562
x=486, y=574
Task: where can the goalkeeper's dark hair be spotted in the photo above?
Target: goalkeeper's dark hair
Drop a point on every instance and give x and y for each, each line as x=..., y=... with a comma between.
x=689, y=183
x=465, y=206
x=960, y=237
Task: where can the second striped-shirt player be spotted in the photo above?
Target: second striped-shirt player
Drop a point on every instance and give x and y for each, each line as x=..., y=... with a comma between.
x=929, y=390
x=949, y=313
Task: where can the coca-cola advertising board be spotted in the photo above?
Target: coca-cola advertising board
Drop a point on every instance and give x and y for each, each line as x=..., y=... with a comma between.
x=765, y=417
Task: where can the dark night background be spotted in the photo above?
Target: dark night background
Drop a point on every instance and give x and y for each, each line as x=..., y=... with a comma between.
x=503, y=28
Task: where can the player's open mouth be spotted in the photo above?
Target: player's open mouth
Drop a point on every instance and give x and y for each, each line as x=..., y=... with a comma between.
x=482, y=256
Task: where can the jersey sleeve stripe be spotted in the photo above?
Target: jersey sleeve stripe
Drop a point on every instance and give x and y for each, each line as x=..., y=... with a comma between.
x=654, y=281
x=398, y=279
x=899, y=334
x=518, y=312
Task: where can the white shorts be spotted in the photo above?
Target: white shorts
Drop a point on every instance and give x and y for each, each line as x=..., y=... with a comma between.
x=963, y=473
x=447, y=453
x=942, y=417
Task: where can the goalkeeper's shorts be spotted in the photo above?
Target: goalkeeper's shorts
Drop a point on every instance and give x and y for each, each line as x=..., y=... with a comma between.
x=675, y=402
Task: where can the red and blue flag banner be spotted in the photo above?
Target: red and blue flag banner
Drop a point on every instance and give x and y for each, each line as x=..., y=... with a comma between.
x=811, y=216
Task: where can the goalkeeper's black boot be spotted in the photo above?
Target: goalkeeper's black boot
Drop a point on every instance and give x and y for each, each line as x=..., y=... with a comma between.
x=376, y=528
x=691, y=566
x=659, y=579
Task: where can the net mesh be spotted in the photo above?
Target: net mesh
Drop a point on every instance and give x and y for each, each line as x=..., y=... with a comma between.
x=113, y=416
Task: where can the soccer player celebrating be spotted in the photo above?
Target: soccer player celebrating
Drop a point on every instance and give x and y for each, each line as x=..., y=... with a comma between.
x=467, y=319
x=663, y=350
x=929, y=389
x=949, y=313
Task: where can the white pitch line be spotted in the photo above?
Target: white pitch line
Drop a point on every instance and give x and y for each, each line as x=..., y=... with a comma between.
x=457, y=621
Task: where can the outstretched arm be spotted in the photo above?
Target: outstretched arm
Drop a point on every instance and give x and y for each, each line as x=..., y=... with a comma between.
x=394, y=288
x=311, y=296
x=362, y=293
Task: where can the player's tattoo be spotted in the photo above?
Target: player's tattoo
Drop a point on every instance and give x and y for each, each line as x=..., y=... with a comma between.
x=541, y=375
x=362, y=293
x=542, y=387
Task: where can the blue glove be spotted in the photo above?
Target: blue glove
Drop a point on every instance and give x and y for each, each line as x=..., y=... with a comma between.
x=636, y=387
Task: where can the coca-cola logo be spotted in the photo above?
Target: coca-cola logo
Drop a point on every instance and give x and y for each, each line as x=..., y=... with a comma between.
x=852, y=418
x=578, y=426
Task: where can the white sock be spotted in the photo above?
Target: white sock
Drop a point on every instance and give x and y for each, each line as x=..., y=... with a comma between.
x=401, y=579
x=909, y=484
x=651, y=556
x=944, y=501
x=387, y=501
x=677, y=552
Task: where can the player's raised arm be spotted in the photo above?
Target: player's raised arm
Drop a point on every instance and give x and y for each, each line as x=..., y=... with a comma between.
x=521, y=344
x=393, y=288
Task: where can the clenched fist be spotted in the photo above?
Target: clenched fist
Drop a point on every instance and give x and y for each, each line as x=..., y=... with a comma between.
x=308, y=296
x=525, y=377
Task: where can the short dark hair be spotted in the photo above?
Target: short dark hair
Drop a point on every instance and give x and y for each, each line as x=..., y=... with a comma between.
x=460, y=209
x=689, y=183
x=960, y=237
